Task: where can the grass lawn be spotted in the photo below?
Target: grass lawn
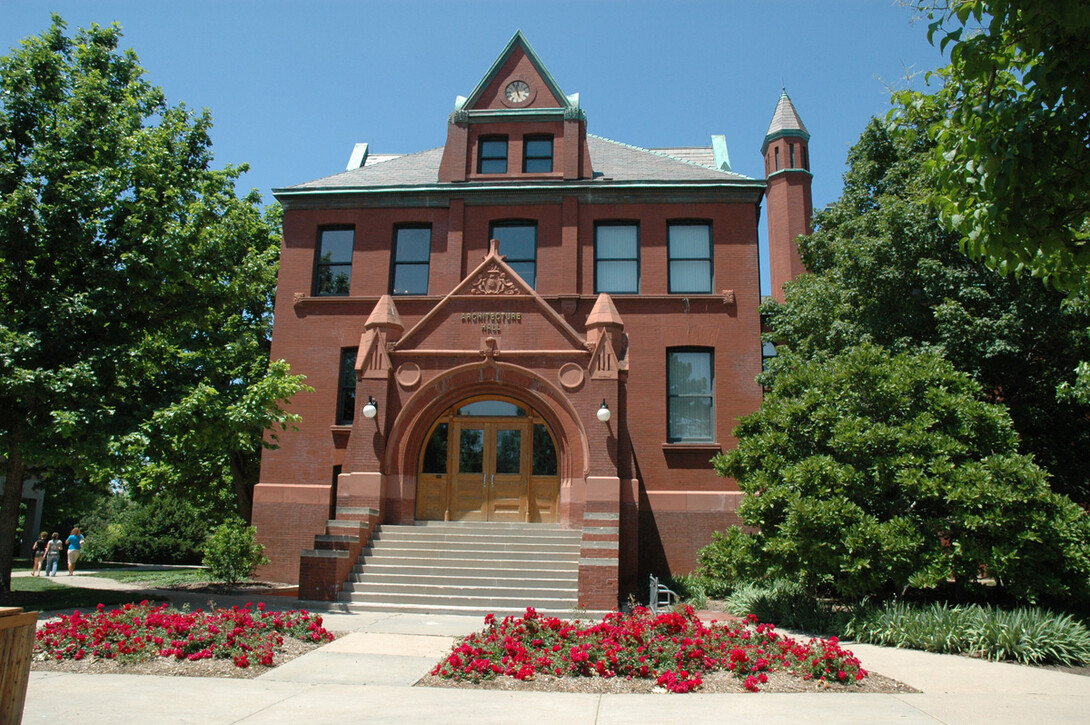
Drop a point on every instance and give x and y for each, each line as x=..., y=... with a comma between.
x=155, y=579
x=39, y=593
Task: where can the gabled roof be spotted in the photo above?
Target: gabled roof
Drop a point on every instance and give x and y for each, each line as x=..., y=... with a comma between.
x=785, y=122
x=614, y=162
x=518, y=40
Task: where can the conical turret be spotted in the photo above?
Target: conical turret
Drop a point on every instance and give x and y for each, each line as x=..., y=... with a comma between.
x=786, y=149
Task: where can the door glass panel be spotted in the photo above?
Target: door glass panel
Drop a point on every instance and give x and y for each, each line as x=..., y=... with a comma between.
x=471, y=451
x=508, y=451
x=435, y=453
x=544, y=452
x=492, y=409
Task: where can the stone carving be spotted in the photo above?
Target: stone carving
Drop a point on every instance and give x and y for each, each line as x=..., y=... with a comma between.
x=493, y=281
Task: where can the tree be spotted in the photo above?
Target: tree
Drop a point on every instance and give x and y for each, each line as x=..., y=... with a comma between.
x=127, y=265
x=868, y=473
x=885, y=270
x=1011, y=124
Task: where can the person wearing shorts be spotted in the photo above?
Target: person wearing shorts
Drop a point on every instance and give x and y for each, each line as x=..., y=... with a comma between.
x=74, y=542
x=39, y=552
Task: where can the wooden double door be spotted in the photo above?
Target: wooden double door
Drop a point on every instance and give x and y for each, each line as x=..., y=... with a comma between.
x=482, y=467
x=490, y=480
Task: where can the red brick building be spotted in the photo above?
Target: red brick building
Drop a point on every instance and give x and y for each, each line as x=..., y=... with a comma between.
x=582, y=369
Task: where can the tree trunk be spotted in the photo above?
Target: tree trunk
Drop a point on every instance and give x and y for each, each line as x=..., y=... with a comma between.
x=243, y=487
x=9, y=510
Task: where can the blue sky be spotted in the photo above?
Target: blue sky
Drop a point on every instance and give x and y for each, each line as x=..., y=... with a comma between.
x=292, y=86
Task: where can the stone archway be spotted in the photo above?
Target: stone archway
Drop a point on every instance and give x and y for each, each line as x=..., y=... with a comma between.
x=549, y=407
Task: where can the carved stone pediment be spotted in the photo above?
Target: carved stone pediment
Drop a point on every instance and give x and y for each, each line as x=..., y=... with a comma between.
x=493, y=281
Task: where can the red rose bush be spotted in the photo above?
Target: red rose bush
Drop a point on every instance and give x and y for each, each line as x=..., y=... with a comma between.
x=674, y=649
x=138, y=632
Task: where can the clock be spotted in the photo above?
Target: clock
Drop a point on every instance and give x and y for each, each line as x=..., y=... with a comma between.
x=517, y=91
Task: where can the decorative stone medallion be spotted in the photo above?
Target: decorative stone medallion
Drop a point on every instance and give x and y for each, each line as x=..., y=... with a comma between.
x=571, y=376
x=408, y=374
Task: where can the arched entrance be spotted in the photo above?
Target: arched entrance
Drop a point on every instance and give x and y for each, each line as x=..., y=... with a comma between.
x=489, y=458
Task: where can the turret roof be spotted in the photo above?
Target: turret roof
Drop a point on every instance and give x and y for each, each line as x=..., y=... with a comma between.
x=785, y=121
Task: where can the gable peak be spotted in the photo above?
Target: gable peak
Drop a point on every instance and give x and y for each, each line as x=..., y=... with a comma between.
x=517, y=79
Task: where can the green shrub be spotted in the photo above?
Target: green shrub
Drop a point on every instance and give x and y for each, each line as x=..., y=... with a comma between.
x=867, y=474
x=163, y=530
x=1026, y=635
x=727, y=561
x=232, y=553
x=691, y=588
x=786, y=604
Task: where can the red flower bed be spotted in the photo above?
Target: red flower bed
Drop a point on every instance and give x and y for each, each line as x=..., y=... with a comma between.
x=139, y=632
x=674, y=649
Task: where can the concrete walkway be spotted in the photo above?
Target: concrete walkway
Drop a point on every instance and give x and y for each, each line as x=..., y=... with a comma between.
x=367, y=675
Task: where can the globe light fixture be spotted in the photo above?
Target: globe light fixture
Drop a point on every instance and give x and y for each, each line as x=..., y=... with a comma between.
x=604, y=413
x=371, y=409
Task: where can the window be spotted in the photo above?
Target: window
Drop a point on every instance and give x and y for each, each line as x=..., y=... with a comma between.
x=518, y=242
x=617, y=258
x=805, y=159
x=492, y=155
x=412, y=252
x=690, y=396
x=346, y=394
x=333, y=262
x=537, y=155
x=791, y=154
x=777, y=158
x=690, y=247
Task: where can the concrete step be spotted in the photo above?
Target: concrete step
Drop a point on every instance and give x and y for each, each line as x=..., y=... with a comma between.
x=455, y=560
x=467, y=567
x=481, y=578
x=496, y=538
x=530, y=547
x=489, y=601
x=567, y=613
x=510, y=590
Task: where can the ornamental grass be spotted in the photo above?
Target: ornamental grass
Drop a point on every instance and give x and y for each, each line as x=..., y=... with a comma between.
x=675, y=649
x=140, y=632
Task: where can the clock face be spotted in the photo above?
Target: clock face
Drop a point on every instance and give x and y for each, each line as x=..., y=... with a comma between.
x=517, y=91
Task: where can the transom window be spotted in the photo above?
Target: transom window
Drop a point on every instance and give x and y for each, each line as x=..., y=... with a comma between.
x=333, y=262
x=617, y=258
x=518, y=243
x=537, y=155
x=492, y=155
x=690, y=396
x=690, y=247
x=412, y=253
x=346, y=394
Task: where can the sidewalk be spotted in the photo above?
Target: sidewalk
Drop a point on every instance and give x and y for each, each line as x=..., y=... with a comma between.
x=368, y=675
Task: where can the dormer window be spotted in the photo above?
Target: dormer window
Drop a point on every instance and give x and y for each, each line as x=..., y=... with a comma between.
x=492, y=157
x=537, y=155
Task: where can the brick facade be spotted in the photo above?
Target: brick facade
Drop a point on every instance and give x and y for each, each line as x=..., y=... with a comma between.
x=557, y=347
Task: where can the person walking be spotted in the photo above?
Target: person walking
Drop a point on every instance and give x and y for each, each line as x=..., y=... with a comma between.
x=75, y=540
x=53, y=554
x=38, y=551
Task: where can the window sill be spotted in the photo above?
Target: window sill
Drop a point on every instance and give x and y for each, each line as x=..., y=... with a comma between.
x=340, y=434
x=701, y=447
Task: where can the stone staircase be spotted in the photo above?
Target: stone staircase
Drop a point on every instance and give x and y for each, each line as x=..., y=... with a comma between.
x=467, y=568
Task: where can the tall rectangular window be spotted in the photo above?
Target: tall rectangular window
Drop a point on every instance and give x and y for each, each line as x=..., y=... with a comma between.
x=791, y=154
x=492, y=155
x=690, y=247
x=412, y=254
x=518, y=243
x=333, y=262
x=690, y=396
x=617, y=258
x=346, y=392
x=537, y=154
